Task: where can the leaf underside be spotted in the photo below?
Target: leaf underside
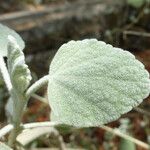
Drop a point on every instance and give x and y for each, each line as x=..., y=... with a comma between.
x=92, y=83
x=4, y=32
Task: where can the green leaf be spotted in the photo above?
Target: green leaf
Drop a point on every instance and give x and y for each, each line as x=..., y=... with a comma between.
x=136, y=3
x=126, y=145
x=4, y=32
x=4, y=147
x=19, y=73
x=92, y=83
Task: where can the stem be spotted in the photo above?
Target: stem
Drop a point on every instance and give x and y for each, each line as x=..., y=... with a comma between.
x=18, y=105
x=42, y=99
x=5, y=74
x=118, y=133
x=43, y=126
x=37, y=85
x=6, y=130
x=10, y=127
x=61, y=141
x=140, y=110
x=130, y=32
x=40, y=124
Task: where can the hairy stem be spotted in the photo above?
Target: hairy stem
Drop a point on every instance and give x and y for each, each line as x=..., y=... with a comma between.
x=37, y=85
x=19, y=102
x=40, y=124
x=6, y=130
x=10, y=127
x=5, y=74
x=42, y=99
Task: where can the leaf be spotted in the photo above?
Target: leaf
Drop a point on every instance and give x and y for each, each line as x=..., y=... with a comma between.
x=136, y=3
x=4, y=147
x=92, y=83
x=4, y=32
x=18, y=70
x=30, y=135
x=126, y=145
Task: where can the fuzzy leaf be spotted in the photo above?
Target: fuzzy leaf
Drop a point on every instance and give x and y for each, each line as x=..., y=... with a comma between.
x=18, y=70
x=4, y=147
x=92, y=83
x=4, y=32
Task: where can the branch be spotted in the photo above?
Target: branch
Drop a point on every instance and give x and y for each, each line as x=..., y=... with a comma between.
x=136, y=33
x=140, y=110
x=42, y=99
x=30, y=135
x=10, y=127
x=40, y=124
x=125, y=136
x=37, y=85
x=6, y=130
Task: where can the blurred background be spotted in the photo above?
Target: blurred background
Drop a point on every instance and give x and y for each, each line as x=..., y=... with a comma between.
x=45, y=25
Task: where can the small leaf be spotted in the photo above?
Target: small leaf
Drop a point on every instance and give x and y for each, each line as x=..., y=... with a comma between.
x=30, y=135
x=136, y=3
x=4, y=32
x=4, y=147
x=92, y=83
x=18, y=70
x=126, y=145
